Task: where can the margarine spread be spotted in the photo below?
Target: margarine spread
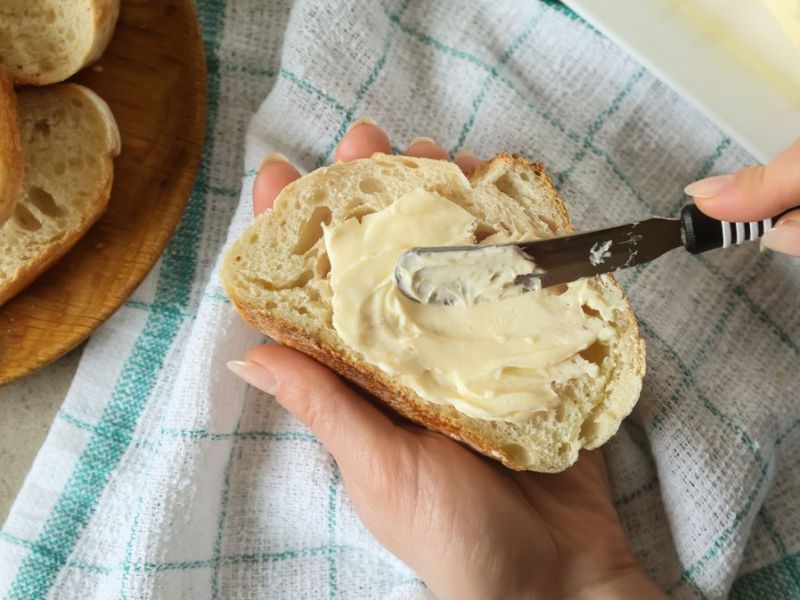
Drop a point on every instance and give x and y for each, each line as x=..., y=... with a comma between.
x=496, y=360
x=489, y=274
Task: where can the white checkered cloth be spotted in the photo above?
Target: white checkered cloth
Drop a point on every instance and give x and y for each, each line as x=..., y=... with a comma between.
x=164, y=476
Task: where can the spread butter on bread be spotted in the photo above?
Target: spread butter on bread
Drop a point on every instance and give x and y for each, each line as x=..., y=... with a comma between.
x=529, y=384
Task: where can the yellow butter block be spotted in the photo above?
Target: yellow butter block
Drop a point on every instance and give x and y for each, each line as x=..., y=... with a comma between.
x=788, y=13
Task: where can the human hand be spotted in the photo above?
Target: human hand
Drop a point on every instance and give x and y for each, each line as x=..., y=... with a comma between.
x=469, y=527
x=756, y=193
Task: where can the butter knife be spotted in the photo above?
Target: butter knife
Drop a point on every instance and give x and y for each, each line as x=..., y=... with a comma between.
x=467, y=274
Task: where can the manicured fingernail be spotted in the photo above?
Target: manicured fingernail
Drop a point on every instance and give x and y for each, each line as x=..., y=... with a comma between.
x=255, y=374
x=710, y=186
x=464, y=153
x=362, y=121
x=784, y=238
x=420, y=140
x=274, y=157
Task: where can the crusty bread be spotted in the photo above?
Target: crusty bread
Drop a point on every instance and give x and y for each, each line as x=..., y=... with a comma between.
x=10, y=151
x=276, y=274
x=47, y=41
x=69, y=140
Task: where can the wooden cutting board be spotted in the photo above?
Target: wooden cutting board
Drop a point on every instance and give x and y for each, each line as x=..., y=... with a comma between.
x=153, y=76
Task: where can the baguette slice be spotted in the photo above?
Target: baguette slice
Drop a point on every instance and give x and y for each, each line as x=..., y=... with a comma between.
x=47, y=41
x=276, y=274
x=69, y=141
x=10, y=150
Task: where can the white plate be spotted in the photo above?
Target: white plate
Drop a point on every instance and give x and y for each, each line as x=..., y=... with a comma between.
x=731, y=58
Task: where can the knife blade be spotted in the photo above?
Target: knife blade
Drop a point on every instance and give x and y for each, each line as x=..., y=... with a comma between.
x=469, y=274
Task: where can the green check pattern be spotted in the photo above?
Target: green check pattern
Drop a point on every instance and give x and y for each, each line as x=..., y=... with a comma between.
x=163, y=476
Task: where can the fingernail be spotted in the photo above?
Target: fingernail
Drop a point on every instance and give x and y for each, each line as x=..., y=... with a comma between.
x=710, y=186
x=255, y=374
x=273, y=158
x=420, y=140
x=784, y=238
x=465, y=153
x=362, y=121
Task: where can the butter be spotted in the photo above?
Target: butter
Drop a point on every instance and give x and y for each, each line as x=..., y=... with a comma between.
x=788, y=14
x=465, y=276
x=497, y=360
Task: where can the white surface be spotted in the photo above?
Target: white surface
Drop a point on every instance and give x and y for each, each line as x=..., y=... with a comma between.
x=731, y=59
x=27, y=409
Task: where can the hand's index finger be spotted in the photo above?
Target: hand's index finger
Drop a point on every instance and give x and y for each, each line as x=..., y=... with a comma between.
x=752, y=193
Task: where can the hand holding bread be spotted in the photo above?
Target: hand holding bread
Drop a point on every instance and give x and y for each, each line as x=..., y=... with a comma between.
x=444, y=510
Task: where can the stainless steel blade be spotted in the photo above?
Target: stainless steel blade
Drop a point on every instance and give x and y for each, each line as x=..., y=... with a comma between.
x=554, y=261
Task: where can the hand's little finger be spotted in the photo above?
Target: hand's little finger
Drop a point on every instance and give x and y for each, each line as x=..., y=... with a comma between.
x=275, y=174
x=785, y=237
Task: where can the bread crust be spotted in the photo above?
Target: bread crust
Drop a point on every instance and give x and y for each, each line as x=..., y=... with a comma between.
x=11, y=164
x=443, y=418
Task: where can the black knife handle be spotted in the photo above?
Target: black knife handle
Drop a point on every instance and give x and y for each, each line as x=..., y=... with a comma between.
x=702, y=233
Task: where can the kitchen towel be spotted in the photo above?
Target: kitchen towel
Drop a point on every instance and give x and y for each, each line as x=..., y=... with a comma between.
x=164, y=476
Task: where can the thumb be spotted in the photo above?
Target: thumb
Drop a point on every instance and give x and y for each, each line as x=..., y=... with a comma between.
x=346, y=423
x=752, y=193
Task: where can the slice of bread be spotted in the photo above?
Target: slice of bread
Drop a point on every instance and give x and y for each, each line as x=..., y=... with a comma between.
x=276, y=274
x=47, y=41
x=10, y=150
x=69, y=141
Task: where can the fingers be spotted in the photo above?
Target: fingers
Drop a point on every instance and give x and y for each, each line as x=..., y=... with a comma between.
x=425, y=147
x=467, y=161
x=362, y=140
x=785, y=237
x=753, y=193
x=274, y=175
x=346, y=423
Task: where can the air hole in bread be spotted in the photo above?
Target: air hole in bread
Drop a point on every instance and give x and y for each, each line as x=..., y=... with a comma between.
x=596, y=353
x=557, y=290
x=43, y=201
x=59, y=167
x=75, y=163
x=42, y=127
x=299, y=281
x=370, y=185
x=302, y=310
x=524, y=176
x=270, y=305
x=516, y=454
x=319, y=196
x=588, y=430
x=506, y=184
x=323, y=266
x=311, y=232
x=25, y=218
x=589, y=311
x=361, y=212
x=76, y=103
x=50, y=16
x=410, y=164
x=253, y=239
x=564, y=448
x=386, y=164
x=483, y=231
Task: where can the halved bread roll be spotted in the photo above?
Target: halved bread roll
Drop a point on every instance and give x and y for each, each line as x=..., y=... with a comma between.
x=277, y=276
x=69, y=141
